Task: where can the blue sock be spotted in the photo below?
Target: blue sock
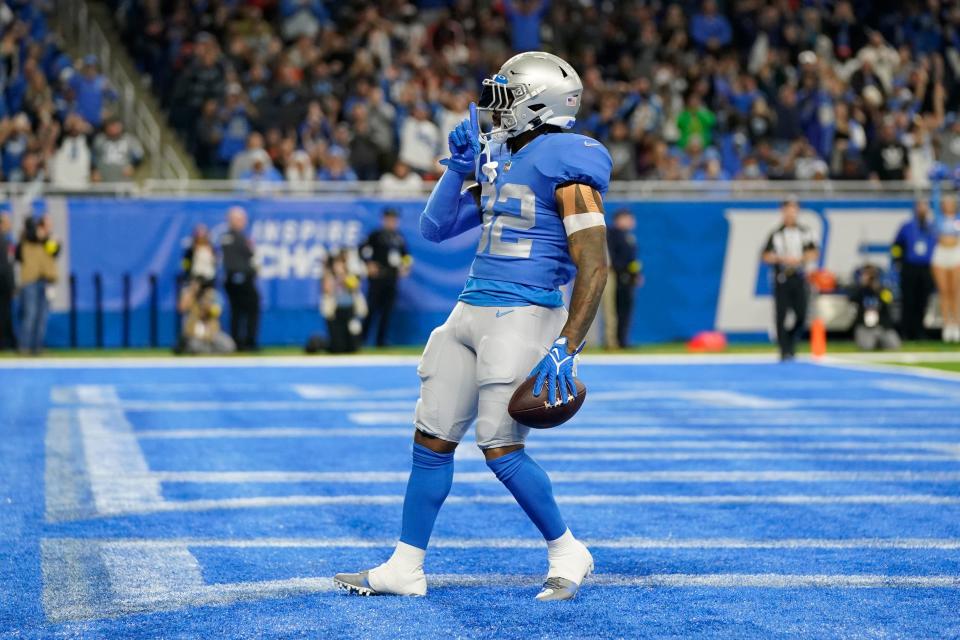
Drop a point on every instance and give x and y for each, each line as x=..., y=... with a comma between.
x=532, y=489
x=427, y=488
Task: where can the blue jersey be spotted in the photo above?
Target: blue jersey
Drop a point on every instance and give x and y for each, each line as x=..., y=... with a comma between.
x=914, y=243
x=523, y=257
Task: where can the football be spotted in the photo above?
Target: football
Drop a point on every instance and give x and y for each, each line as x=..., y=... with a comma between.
x=536, y=411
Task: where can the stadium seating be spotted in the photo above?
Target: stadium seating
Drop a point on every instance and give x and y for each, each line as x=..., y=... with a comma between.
x=693, y=90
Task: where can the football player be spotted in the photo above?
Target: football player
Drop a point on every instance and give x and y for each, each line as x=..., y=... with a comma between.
x=539, y=201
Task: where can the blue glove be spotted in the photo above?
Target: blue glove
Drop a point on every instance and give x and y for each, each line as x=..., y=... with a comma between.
x=557, y=371
x=464, y=143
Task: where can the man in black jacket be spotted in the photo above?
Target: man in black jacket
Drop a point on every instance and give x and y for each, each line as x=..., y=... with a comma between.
x=7, y=286
x=385, y=253
x=241, y=281
x=622, y=244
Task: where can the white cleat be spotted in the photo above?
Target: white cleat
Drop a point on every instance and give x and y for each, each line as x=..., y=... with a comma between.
x=383, y=580
x=568, y=570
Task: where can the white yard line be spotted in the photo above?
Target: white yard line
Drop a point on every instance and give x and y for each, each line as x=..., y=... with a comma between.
x=600, y=477
x=269, y=502
x=117, y=470
x=656, y=456
x=232, y=362
x=944, y=544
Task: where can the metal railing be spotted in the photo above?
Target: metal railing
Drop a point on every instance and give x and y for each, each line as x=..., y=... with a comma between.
x=85, y=35
x=633, y=190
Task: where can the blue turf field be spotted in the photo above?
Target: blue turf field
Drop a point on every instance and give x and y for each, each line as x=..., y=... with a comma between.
x=720, y=500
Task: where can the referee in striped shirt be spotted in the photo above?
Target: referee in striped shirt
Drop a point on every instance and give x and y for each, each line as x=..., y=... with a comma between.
x=788, y=250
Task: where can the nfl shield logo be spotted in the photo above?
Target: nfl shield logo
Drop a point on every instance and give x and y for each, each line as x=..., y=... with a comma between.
x=571, y=101
x=506, y=165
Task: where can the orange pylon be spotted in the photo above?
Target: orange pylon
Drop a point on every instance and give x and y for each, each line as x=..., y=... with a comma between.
x=818, y=338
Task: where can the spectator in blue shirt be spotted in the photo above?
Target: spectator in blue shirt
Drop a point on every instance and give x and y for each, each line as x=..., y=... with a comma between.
x=15, y=136
x=262, y=171
x=91, y=88
x=336, y=168
x=525, y=17
x=302, y=18
x=236, y=125
x=911, y=252
x=710, y=29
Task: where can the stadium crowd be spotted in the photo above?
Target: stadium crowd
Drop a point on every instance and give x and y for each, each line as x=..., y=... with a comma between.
x=56, y=119
x=308, y=90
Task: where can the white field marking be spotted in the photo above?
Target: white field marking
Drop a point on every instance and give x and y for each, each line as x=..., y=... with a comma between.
x=84, y=394
x=265, y=405
x=150, y=544
x=748, y=445
x=592, y=433
x=782, y=449
x=664, y=402
x=908, y=357
x=861, y=365
x=656, y=456
x=213, y=362
x=786, y=417
x=229, y=593
x=715, y=580
x=802, y=432
x=273, y=432
x=594, y=418
x=264, y=502
x=602, y=477
x=118, y=472
x=147, y=573
x=713, y=398
x=325, y=391
x=916, y=387
x=326, y=362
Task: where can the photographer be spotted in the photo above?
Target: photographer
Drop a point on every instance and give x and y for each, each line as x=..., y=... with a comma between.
x=343, y=306
x=873, y=328
x=201, y=307
x=7, y=285
x=37, y=254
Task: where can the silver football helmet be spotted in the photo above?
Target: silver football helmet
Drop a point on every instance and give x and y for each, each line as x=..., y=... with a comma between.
x=531, y=89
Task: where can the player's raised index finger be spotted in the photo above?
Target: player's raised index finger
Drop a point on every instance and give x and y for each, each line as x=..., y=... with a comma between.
x=474, y=121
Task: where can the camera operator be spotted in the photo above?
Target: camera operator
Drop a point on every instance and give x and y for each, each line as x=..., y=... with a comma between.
x=873, y=328
x=37, y=254
x=343, y=306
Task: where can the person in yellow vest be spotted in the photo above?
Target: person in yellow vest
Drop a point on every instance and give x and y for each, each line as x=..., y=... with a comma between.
x=37, y=254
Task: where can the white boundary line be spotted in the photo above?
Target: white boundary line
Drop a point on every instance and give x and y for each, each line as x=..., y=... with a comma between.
x=264, y=502
x=944, y=544
x=346, y=361
x=906, y=357
x=600, y=477
x=172, y=362
x=879, y=367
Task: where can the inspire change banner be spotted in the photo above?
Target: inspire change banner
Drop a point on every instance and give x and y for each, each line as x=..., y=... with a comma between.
x=701, y=260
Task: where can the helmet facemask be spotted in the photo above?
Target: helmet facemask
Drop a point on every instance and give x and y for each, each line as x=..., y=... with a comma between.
x=531, y=89
x=501, y=105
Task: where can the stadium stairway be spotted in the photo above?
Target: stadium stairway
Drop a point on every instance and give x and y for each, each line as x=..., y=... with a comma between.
x=86, y=28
